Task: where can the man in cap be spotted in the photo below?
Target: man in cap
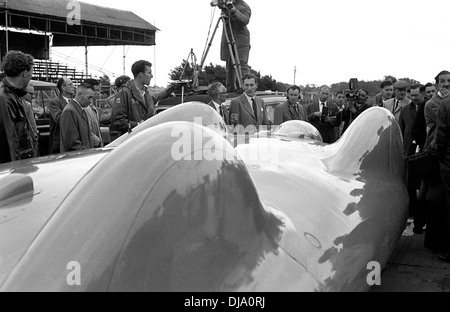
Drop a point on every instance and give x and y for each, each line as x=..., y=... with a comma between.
x=400, y=100
x=419, y=127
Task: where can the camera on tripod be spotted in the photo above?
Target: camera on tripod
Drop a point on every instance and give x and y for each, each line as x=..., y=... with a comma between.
x=352, y=93
x=221, y=4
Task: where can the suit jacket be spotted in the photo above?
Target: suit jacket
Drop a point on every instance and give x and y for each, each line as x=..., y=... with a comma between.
x=419, y=127
x=431, y=110
x=75, y=133
x=286, y=111
x=56, y=107
x=241, y=112
x=327, y=130
x=443, y=134
x=390, y=106
x=407, y=116
x=225, y=112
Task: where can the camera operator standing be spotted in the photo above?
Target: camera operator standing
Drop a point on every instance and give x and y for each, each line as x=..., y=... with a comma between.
x=238, y=12
x=355, y=106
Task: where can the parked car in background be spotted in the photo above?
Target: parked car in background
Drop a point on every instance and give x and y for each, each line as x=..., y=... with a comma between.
x=271, y=100
x=43, y=93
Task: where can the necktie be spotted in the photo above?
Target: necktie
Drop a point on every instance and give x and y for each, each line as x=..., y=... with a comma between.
x=221, y=111
x=255, y=109
x=395, y=106
x=296, y=107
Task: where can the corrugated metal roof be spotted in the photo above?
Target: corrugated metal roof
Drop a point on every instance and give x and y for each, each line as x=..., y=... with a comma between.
x=89, y=13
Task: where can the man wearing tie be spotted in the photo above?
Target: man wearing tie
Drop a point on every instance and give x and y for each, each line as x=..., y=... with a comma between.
x=320, y=115
x=291, y=109
x=218, y=94
x=66, y=93
x=247, y=109
x=400, y=100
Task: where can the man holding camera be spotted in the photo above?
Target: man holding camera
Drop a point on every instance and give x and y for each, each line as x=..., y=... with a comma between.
x=322, y=116
x=238, y=13
x=355, y=106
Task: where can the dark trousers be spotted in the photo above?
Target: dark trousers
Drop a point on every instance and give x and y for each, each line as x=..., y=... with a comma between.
x=231, y=71
x=416, y=206
x=445, y=175
x=436, y=235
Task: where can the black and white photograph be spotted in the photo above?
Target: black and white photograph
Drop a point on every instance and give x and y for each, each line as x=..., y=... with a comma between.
x=224, y=150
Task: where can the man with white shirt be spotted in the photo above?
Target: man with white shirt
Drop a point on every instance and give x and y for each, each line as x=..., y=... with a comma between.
x=320, y=114
x=75, y=130
x=248, y=109
x=291, y=109
x=66, y=92
x=218, y=94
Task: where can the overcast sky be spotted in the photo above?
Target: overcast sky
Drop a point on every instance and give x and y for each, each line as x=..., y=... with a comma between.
x=327, y=40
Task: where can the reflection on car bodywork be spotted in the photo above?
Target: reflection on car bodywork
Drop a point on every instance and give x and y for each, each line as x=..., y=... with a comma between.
x=301, y=216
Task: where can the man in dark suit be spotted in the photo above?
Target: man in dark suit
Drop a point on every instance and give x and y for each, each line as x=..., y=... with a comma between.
x=247, y=109
x=239, y=14
x=419, y=126
x=66, y=92
x=353, y=109
x=75, y=132
x=320, y=115
x=218, y=94
x=291, y=109
x=407, y=116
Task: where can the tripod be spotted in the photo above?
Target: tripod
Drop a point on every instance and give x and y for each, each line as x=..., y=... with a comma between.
x=231, y=43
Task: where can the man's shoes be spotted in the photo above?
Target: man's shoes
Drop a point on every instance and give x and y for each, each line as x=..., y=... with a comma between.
x=444, y=258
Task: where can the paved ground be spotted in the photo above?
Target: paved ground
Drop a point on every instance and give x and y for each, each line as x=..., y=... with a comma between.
x=413, y=268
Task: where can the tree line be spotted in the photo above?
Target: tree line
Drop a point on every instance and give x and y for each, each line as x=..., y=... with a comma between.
x=212, y=73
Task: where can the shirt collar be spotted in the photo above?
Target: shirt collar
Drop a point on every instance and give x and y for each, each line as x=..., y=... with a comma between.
x=249, y=99
x=217, y=106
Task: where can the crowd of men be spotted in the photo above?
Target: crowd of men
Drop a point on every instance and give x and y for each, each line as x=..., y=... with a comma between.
x=422, y=111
